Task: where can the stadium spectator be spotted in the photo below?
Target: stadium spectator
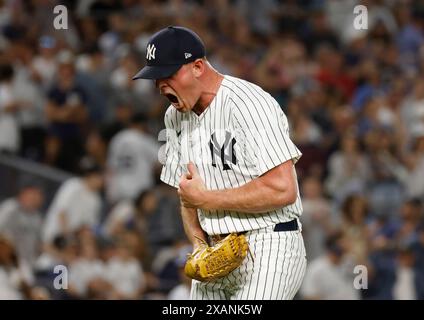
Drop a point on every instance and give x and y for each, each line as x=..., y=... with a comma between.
x=317, y=220
x=409, y=282
x=355, y=227
x=386, y=192
x=66, y=113
x=125, y=273
x=166, y=221
x=412, y=110
x=182, y=290
x=44, y=65
x=21, y=221
x=77, y=203
x=15, y=279
x=132, y=157
x=411, y=220
x=9, y=106
x=330, y=276
x=95, y=147
x=348, y=169
x=30, y=98
x=414, y=164
x=86, y=271
x=120, y=119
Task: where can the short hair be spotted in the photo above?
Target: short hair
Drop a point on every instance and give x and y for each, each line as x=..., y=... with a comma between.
x=27, y=182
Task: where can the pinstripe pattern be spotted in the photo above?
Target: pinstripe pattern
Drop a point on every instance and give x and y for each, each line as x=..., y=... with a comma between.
x=244, y=113
x=260, y=129
x=275, y=273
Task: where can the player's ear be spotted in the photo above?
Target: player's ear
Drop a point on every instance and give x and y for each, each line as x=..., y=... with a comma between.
x=198, y=67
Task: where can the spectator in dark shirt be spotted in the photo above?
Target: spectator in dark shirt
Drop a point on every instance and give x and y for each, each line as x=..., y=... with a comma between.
x=66, y=113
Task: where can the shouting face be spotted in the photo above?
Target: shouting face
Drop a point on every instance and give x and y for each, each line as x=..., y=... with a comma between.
x=181, y=89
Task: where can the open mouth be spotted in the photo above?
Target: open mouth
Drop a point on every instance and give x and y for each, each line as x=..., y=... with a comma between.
x=172, y=98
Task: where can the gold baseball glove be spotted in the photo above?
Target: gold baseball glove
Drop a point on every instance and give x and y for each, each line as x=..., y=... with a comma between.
x=208, y=263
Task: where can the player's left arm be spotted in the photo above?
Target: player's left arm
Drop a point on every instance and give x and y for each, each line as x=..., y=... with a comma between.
x=274, y=189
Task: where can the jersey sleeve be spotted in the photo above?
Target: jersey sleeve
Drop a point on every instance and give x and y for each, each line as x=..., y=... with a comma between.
x=262, y=122
x=171, y=170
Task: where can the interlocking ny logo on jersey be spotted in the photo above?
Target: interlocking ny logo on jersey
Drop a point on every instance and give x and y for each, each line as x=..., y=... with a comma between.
x=224, y=152
x=151, y=50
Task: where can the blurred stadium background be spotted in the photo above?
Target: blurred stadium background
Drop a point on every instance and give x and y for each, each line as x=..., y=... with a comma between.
x=79, y=141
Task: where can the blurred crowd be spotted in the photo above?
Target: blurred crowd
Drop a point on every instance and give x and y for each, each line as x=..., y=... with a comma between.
x=355, y=103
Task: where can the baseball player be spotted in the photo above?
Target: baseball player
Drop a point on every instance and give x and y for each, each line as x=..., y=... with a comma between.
x=229, y=154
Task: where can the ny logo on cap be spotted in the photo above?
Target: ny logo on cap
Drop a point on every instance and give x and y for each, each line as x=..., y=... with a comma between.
x=151, y=49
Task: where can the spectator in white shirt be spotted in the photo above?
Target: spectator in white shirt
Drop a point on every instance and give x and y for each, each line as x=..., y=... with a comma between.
x=132, y=157
x=125, y=273
x=330, y=277
x=44, y=65
x=21, y=221
x=85, y=270
x=76, y=204
x=404, y=286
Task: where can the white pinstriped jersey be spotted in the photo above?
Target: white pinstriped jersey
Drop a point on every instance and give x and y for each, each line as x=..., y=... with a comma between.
x=240, y=136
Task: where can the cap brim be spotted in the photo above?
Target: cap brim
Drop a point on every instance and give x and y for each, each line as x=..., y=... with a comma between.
x=157, y=72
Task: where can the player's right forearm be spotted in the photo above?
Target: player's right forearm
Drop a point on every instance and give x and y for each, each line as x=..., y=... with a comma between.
x=192, y=226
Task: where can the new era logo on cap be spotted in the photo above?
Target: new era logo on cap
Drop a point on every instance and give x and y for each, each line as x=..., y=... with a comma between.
x=169, y=49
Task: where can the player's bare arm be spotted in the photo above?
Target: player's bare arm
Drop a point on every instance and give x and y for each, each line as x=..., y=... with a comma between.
x=274, y=189
x=192, y=226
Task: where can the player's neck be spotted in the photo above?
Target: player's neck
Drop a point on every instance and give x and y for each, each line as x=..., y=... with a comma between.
x=213, y=80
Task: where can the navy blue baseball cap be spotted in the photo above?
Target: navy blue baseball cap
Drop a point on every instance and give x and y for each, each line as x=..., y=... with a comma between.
x=169, y=49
